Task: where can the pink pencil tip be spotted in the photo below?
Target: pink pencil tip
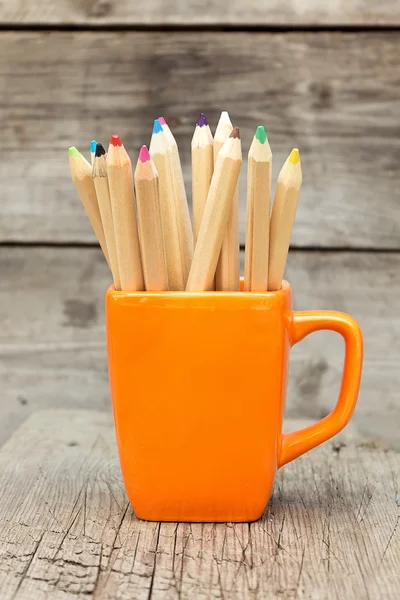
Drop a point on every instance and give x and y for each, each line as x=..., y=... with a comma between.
x=144, y=155
x=162, y=120
x=115, y=141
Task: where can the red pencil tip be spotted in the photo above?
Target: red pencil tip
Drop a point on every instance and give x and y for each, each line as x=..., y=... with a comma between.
x=115, y=141
x=144, y=155
x=162, y=120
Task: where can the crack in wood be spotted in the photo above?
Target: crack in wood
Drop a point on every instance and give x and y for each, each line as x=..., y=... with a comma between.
x=25, y=572
x=390, y=539
x=112, y=558
x=96, y=583
x=155, y=563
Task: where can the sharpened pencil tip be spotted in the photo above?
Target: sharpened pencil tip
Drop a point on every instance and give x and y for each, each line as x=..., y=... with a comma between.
x=261, y=134
x=93, y=146
x=235, y=133
x=294, y=157
x=144, y=155
x=202, y=120
x=100, y=151
x=115, y=141
x=72, y=151
x=224, y=118
x=162, y=120
x=157, y=127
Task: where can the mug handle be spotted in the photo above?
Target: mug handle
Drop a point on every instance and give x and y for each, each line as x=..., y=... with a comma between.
x=304, y=322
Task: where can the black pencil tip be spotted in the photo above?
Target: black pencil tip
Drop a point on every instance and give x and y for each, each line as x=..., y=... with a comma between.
x=100, y=150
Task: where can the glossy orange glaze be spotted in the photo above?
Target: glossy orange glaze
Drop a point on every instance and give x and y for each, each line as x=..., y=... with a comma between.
x=198, y=384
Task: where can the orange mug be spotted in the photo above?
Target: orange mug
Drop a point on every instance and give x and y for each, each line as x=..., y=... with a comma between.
x=198, y=383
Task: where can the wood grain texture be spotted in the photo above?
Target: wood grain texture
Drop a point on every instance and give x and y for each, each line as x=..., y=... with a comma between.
x=331, y=528
x=176, y=12
x=52, y=339
x=334, y=95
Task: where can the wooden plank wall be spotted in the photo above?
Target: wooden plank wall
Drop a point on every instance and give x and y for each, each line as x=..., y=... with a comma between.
x=333, y=94
x=178, y=13
x=323, y=76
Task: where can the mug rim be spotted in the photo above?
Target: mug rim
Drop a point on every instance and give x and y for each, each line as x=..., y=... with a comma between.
x=211, y=294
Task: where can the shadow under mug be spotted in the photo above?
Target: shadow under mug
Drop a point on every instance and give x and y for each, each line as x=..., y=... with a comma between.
x=198, y=383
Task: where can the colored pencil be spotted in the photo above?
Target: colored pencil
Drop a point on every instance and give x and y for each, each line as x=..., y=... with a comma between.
x=149, y=221
x=222, y=132
x=81, y=173
x=120, y=182
x=202, y=169
x=282, y=218
x=257, y=213
x=227, y=276
x=100, y=180
x=185, y=231
x=92, y=151
x=159, y=149
x=216, y=214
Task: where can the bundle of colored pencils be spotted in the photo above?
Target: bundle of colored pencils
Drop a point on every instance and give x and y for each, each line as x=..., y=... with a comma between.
x=150, y=243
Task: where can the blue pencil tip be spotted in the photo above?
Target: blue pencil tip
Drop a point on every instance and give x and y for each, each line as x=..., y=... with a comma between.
x=157, y=128
x=93, y=146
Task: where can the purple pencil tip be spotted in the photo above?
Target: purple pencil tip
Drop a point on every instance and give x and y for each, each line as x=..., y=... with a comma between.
x=202, y=120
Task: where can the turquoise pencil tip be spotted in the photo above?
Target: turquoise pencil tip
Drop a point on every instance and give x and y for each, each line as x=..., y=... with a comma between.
x=157, y=128
x=93, y=146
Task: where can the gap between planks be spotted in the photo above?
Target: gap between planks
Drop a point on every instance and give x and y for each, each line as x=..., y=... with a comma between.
x=199, y=27
x=292, y=249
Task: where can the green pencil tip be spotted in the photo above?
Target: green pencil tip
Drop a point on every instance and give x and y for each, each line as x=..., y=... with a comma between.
x=261, y=134
x=73, y=152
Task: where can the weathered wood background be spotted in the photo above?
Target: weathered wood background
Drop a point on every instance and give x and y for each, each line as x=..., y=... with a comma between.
x=321, y=75
x=335, y=95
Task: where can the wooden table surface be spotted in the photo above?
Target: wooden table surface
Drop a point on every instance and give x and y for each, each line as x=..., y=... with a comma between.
x=67, y=531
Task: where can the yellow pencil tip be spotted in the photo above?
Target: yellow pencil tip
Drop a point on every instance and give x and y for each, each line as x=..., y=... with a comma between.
x=294, y=157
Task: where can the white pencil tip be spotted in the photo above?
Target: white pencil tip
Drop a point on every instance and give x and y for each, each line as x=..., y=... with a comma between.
x=224, y=118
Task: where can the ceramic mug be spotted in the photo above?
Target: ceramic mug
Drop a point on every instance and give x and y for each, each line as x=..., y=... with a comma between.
x=198, y=383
